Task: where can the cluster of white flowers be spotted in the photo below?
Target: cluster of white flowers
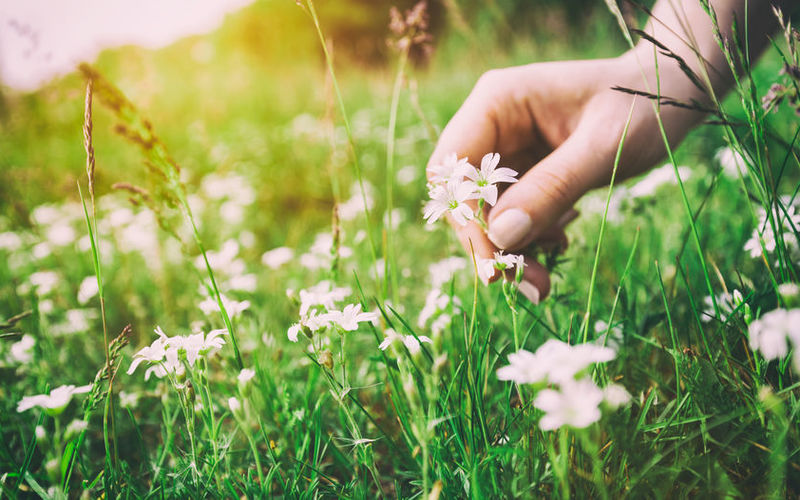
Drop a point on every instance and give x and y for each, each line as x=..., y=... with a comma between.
x=577, y=401
x=356, y=206
x=770, y=332
x=788, y=222
x=234, y=192
x=227, y=264
x=277, y=257
x=320, y=255
x=455, y=181
x=209, y=305
x=166, y=355
x=318, y=311
x=55, y=402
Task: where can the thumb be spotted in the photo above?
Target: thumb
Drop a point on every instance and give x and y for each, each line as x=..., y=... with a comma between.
x=546, y=193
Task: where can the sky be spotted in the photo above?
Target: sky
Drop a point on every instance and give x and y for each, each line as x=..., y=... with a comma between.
x=42, y=39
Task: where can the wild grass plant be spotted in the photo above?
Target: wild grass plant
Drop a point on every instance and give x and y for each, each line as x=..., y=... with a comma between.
x=367, y=357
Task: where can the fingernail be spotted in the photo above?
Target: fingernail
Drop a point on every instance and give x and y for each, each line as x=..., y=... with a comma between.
x=530, y=291
x=509, y=228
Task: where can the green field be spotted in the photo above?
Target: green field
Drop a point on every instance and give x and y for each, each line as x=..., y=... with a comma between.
x=214, y=152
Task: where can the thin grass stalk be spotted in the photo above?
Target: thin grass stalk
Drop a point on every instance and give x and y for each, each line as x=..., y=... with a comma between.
x=593, y=279
x=390, y=267
x=673, y=337
x=108, y=413
x=309, y=4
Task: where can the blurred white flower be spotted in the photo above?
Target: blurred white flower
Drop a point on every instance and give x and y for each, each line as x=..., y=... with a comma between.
x=484, y=180
x=225, y=260
x=22, y=350
x=787, y=290
x=277, y=257
x=87, y=289
x=60, y=234
x=554, y=361
x=41, y=250
x=615, y=395
x=731, y=162
x=450, y=168
x=319, y=255
x=234, y=405
x=74, y=428
x=10, y=241
x=411, y=342
x=575, y=405
x=44, y=281
x=657, y=177
x=356, y=205
x=725, y=305
x=407, y=175
x=769, y=333
x=788, y=221
x=55, y=402
x=322, y=294
x=76, y=321
x=232, y=307
x=442, y=272
x=245, y=375
x=242, y=283
x=128, y=399
x=437, y=302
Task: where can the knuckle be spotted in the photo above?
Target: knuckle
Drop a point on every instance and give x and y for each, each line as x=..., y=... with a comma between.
x=557, y=186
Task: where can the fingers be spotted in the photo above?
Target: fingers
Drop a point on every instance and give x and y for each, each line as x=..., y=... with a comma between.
x=543, y=197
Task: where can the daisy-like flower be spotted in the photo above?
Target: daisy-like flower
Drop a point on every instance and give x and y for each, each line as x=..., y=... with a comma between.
x=555, y=362
x=245, y=375
x=412, y=344
x=576, y=405
x=311, y=323
x=500, y=262
x=322, y=294
x=233, y=307
x=768, y=334
x=451, y=197
x=450, y=168
x=21, y=351
x=349, y=318
x=485, y=180
x=55, y=402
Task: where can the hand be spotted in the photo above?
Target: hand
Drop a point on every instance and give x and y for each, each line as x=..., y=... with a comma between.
x=559, y=125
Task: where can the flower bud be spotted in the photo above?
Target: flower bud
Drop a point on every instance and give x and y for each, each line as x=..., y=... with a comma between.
x=326, y=359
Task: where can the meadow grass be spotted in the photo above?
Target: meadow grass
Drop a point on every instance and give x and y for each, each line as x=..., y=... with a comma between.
x=182, y=233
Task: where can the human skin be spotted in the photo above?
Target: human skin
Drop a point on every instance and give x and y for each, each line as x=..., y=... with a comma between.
x=559, y=124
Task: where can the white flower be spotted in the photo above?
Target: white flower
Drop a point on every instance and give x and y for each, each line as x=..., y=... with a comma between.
x=349, y=318
x=615, y=395
x=555, y=361
x=234, y=405
x=768, y=334
x=450, y=168
x=442, y=272
x=524, y=368
x=411, y=342
x=322, y=294
x=500, y=262
x=451, y=197
x=128, y=399
x=245, y=375
x=87, y=290
x=787, y=290
x=44, y=281
x=165, y=354
x=436, y=302
x=657, y=177
x=355, y=206
x=21, y=350
x=10, y=241
x=75, y=427
x=232, y=307
x=485, y=179
x=764, y=231
x=60, y=234
x=575, y=405
x=725, y=304
x=277, y=257
x=731, y=161
x=242, y=282
x=55, y=402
